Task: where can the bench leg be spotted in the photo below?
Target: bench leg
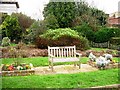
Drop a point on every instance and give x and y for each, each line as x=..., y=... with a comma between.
x=75, y=64
x=49, y=64
x=52, y=66
x=79, y=65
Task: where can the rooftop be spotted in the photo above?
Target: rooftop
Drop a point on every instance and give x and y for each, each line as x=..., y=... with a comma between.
x=115, y=14
x=9, y=2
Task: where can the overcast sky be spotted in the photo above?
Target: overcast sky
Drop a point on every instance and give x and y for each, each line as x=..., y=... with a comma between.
x=34, y=8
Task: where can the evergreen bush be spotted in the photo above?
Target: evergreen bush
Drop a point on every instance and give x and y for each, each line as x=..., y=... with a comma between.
x=86, y=31
x=105, y=34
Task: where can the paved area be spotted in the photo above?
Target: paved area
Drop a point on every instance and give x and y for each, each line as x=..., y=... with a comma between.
x=64, y=69
x=109, y=86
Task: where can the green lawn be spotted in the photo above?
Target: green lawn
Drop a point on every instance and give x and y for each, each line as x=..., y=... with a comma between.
x=104, y=49
x=99, y=49
x=42, y=61
x=38, y=61
x=78, y=80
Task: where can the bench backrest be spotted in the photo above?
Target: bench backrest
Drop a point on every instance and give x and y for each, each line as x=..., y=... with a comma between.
x=67, y=51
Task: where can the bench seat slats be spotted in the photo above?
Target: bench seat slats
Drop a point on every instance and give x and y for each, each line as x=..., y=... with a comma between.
x=70, y=59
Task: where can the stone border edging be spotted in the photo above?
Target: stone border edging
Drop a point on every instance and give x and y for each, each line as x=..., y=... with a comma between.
x=18, y=72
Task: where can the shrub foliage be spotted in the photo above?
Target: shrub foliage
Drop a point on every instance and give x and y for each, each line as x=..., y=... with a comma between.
x=62, y=37
x=5, y=41
x=86, y=31
x=105, y=34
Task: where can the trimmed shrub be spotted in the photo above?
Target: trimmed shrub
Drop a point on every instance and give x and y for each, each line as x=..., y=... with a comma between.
x=116, y=32
x=62, y=37
x=5, y=41
x=104, y=35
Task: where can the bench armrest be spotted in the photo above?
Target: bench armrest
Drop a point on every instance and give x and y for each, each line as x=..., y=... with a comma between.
x=79, y=54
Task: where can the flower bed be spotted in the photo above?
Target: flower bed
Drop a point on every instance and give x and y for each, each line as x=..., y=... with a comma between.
x=17, y=70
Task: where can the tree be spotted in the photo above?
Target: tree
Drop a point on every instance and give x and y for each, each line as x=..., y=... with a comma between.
x=3, y=16
x=51, y=22
x=64, y=12
x=71, y=14
x=24, y=20
x=36, y=29
x=99, y=15
x=82, y=7
x=11, y=28
x=86, y=19
x=90, y=15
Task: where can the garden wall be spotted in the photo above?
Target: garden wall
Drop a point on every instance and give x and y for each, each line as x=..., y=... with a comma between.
x=100, y=45
x=104, y=45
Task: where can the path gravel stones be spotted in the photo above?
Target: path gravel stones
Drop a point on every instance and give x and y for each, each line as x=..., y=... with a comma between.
x=64, y=69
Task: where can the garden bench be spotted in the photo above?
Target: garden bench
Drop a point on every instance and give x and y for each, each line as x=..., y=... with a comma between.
x=63, y=54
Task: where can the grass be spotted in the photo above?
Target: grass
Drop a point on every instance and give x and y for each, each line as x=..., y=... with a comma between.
x=37, y=61
x=42, y=61
x=13, y=44
x=78, y=80
x=99, y=49
x=103, y=49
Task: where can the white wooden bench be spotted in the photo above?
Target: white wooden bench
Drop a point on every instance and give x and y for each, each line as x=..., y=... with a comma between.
x=63, y=54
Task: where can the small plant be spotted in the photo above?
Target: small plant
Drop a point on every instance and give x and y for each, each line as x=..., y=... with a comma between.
x=5, y=41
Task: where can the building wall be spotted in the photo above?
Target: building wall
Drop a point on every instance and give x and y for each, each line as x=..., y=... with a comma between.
x=8, y=6
x=114, y=19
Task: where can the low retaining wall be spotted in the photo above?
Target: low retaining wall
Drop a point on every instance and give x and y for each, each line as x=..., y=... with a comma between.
x=18, y=73
x=115, y=65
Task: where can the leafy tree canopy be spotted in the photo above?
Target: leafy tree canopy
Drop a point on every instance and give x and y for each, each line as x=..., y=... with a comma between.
x=70, y=14
x=51, y=22
x=64, y=12
x=11, y=28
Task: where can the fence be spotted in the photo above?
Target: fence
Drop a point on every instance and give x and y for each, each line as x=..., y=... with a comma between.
x=104, y=45
x=100, y=45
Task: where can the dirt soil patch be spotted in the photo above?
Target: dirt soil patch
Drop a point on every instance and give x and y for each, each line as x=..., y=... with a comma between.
x=32, y=51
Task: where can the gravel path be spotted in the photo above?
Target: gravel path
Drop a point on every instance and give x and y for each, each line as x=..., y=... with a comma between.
x=64, y=69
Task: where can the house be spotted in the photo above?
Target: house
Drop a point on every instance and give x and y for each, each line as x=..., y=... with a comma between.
x=114, y=20
x=8, y=6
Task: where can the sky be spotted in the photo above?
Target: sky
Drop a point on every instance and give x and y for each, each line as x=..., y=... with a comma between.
x=34, y=8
